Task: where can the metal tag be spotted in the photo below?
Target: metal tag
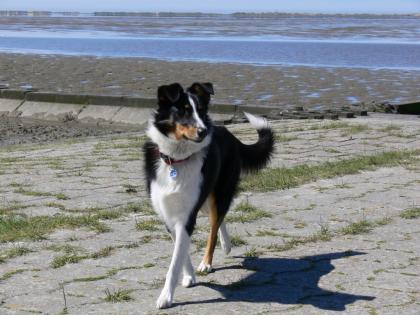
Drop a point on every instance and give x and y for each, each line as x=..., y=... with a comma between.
x=172, y=172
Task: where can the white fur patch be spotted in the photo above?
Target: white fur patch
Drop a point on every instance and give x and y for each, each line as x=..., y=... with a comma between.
x=176, y=149
x=256, y=121
x=197, y=118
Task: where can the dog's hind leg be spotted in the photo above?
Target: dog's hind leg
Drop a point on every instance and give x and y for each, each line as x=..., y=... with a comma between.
x=182, y=244
x=205, y=265
x=224, y=238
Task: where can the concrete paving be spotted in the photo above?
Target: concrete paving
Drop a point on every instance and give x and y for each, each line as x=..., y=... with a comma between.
x=132, y=115
x=50, y=111
x=277, y=266
x=98, y=113
x=8, y=105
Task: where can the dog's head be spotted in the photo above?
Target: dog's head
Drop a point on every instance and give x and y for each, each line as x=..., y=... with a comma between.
x=182, y=115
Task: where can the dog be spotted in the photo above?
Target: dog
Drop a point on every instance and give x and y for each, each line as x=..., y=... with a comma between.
x=191, y=164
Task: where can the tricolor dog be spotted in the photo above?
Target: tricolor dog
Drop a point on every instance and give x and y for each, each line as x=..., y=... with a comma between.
x=190, y=164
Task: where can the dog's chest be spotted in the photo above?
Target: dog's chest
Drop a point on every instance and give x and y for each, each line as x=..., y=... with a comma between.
x=174, y=198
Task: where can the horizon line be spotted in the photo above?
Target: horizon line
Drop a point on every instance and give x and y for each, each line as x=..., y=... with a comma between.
x=210, y=12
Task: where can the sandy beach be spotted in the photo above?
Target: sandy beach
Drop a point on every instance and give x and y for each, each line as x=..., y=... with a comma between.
x=279, y=86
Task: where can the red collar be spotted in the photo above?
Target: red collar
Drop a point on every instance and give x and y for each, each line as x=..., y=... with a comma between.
x=168, y=160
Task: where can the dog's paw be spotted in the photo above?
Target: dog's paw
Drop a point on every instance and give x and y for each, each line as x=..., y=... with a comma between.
x=164, y=300
x=203, y=267
x=188, y=281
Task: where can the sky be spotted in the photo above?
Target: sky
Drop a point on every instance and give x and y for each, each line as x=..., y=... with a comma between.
x=219, y=6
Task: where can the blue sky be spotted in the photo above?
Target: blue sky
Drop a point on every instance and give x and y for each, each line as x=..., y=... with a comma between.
x=311, y=6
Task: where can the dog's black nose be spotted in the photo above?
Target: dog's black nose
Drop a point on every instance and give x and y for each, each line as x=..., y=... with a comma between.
x=202, y=132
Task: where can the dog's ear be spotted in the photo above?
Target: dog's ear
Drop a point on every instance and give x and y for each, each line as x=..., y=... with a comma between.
x=169, y=93
x=202, y=89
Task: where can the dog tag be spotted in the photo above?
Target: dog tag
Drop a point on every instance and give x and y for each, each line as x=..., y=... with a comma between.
x=172, y=172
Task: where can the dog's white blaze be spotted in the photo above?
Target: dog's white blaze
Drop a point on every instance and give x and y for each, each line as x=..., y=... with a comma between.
x=197, y=118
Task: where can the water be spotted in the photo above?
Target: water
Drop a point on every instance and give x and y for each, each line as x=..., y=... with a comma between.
x=368, y=42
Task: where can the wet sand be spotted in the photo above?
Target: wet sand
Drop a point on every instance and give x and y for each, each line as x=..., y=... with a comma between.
x=19, y=130
x=279, y=86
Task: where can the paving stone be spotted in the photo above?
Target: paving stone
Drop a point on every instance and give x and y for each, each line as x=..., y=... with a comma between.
x=363, y=273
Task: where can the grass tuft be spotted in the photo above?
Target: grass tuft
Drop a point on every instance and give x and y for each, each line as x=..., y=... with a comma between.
x=148, y=225
x=120, y=295
x=27, y=192
x=358, y=227
x=10, y=274
x=13, y=252
x=245, y=213
x=252, y=253
x=17, y=227
x=60, y=261
x=411, y=213
x=284, y=178
x=237, y=241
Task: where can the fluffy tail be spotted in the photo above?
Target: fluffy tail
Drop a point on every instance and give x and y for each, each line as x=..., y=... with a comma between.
x=256, y=156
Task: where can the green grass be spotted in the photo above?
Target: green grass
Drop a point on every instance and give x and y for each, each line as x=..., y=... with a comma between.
x=263, y=233
x=148, y=225
x=73, y=256
x=66, y=248
x=331, y=150
x=12, y=206
x=55, y=205
x=284, y=138
x=284, y=178
x=383, y=221
x=245, y=213
x=27, y=192
x=358, y=227
x=60, y=261
x=18, y=227
x=103, y=252
x=346, y=127
x=13, y=252
x=9, y=274
x=323, y=235
x=199, y=243
x=251, y=253
x=120, y=295
x=353, y=129
x=237, y=241
x=411, y=213
x=148, y=265
x=390, y=127
x=139, y=207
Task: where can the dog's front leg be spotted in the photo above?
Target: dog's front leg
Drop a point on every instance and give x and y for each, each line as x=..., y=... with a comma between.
x=182, y=244
x=188, y=279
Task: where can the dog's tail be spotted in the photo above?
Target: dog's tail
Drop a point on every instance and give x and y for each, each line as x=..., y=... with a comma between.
x=256, y=156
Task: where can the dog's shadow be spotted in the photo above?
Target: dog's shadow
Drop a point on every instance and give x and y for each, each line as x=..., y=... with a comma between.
x=286, y=281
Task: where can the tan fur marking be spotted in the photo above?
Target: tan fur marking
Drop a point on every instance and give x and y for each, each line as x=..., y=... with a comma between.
x=185, y=131
x=214, y=227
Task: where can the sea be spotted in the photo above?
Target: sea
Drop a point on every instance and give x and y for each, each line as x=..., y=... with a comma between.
x=365, y=41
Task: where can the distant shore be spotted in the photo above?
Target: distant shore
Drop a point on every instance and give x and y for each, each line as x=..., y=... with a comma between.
x=278, y=86
x=201, y=14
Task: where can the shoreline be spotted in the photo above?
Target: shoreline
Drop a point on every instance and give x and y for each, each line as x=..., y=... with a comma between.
x=272, y=85
x=31, y=52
